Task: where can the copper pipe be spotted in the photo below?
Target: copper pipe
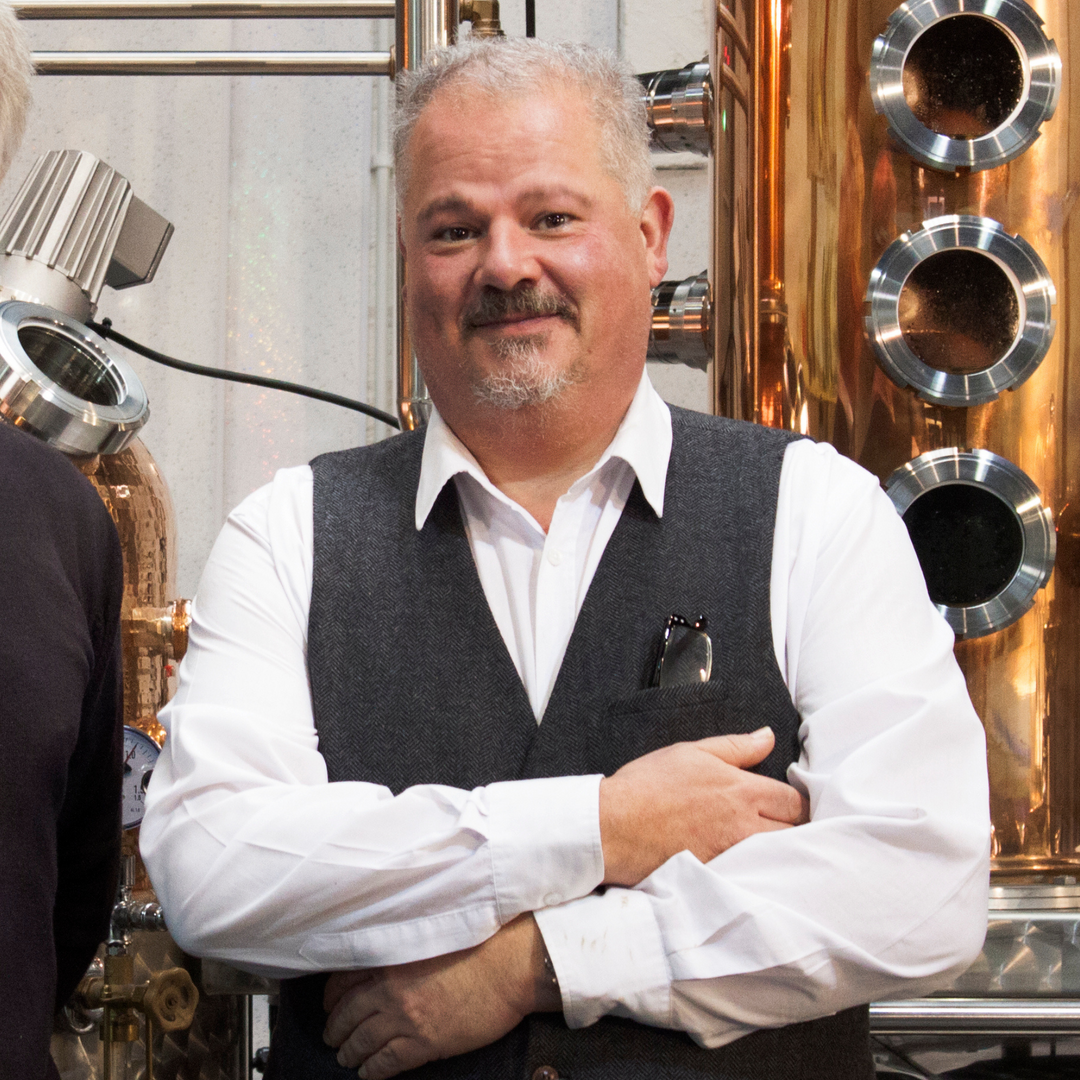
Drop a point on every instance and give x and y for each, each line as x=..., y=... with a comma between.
x=421, y=25
x=733, y=168
x=773, y=404
x=751, y=407
x=774, y=105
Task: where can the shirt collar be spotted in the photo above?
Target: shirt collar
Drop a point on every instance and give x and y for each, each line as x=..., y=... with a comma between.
x=643, y=441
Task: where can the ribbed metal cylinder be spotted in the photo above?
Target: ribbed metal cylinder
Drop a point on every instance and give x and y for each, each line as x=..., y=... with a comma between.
x=74, y=227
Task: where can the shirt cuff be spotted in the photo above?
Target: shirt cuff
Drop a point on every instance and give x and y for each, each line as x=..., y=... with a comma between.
x=544, y=839
x=609, y=957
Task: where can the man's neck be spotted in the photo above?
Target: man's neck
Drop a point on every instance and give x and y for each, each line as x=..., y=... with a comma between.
x=534, y=455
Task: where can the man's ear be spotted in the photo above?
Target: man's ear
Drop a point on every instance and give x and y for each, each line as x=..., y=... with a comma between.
x=656, y=218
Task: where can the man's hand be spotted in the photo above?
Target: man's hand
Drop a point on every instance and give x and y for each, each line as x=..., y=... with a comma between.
x=387, y=1020
x=693, y=796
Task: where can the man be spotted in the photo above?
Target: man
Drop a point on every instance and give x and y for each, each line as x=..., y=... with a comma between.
x=527, y=860
x=61, y=584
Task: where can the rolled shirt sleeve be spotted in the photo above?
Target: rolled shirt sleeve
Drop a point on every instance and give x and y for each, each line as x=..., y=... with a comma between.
x=884, y=892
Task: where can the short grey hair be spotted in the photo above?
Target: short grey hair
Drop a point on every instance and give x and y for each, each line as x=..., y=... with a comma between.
x=16, y=73
x=517, y=67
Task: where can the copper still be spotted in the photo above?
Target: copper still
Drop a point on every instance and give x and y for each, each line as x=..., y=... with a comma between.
x=144, y=1009
x=893, y=193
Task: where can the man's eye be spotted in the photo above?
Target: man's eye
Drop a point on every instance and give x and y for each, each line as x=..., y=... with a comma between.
x=454, y=234
x=554, y=220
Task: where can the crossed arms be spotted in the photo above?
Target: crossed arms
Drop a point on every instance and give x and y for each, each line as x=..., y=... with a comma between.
x=692, y=797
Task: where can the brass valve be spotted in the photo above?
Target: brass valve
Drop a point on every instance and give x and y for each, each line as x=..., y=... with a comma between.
x=166, y=626
x=170, y=999
x=484, y=16
x=167, y=1000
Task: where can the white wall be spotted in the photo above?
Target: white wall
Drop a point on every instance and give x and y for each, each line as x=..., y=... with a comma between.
x=272, y=267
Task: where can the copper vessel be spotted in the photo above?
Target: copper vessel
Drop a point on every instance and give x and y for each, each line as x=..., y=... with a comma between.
x=911, y=242
x=64, y=384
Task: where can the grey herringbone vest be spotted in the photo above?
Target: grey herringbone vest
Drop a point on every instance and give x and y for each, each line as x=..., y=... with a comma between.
x=412, y=684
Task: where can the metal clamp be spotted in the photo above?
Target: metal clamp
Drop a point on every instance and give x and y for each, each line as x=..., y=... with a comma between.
x=1039, y=58
x=682, y=323
x=1035, y=296
x=61, y=381
x=1016, y=491
x=678, y=108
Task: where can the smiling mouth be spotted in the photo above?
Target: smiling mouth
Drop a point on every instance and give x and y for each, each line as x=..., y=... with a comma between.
x=509, y=322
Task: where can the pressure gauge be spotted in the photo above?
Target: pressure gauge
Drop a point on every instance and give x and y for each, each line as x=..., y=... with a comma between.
x=140, y=757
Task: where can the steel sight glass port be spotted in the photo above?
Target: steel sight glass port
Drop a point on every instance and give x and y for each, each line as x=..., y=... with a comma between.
x=985, y=541
x=960, y=310
x=682, y=322
x=60, y=380
x=965, y=83
x=678, y=108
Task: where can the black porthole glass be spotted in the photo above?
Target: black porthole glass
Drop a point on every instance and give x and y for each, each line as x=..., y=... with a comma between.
x=968, y=540
x=959, y=311
x=963, y=77
x=965, y=83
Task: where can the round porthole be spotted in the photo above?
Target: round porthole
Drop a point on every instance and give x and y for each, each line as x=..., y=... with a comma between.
x=60, y=380
x=965, y=83
x=984, y=540
x=960, y=310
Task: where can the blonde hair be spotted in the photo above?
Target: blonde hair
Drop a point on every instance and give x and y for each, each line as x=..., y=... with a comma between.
x=516, y=67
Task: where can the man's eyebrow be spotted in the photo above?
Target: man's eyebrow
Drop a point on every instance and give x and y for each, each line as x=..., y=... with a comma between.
x=458, y=204
x=449, y=204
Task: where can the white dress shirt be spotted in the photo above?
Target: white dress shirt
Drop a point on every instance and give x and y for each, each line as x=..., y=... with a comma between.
x=259, y=861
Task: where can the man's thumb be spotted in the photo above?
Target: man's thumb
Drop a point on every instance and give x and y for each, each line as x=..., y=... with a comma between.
x=741, y=750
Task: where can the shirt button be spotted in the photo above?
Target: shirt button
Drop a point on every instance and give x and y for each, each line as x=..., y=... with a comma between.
x=552, y=899
x=546, y=1072
x=554, y=556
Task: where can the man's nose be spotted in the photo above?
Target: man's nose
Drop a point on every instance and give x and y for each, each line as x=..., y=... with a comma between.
x=508, y=257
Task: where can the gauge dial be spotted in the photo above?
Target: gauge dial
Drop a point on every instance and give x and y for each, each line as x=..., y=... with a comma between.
x=140, y=757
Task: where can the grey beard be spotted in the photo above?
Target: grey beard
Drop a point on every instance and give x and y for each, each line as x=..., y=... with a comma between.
x=525, y=380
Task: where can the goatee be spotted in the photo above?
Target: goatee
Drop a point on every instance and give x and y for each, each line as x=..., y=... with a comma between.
x=525, y=377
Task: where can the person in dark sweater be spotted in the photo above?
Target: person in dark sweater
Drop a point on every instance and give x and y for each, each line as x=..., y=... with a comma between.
x=61, y=585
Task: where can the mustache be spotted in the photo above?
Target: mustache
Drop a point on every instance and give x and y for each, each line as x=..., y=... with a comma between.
x=495, y=304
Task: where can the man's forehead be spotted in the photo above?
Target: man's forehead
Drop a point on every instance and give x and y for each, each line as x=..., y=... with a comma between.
x=462, y=104
x=470, y=90
x=541, y=138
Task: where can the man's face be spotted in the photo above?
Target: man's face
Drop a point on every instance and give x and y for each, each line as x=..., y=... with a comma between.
x=529, y=276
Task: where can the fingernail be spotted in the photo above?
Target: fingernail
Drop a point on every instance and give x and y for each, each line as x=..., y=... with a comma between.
x=760, y=732
x=362, y=1072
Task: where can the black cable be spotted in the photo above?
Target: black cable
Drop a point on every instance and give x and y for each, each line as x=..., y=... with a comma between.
x=530, y=18
x=104, y=328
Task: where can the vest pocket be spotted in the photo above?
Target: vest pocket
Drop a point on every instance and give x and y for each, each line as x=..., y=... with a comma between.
x=638, y=723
